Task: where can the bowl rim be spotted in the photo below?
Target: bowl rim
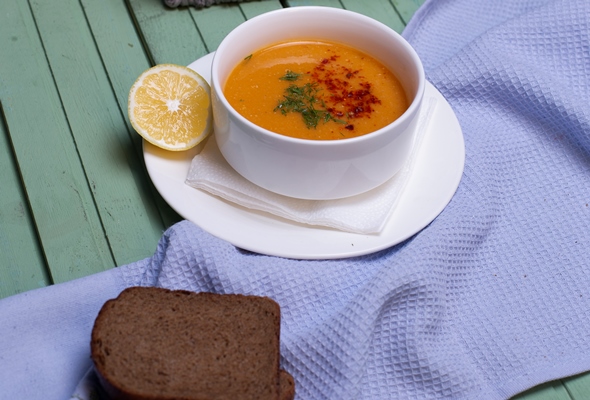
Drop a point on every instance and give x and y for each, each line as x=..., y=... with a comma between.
x=268, y=134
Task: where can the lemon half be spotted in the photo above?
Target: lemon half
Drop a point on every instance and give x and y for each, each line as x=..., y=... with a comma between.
x=170, y=106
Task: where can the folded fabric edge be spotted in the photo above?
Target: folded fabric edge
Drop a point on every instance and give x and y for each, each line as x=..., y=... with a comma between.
x=542, y=374
x=252, y=204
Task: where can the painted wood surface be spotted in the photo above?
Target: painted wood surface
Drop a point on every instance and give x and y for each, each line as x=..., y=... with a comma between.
x=75, y=198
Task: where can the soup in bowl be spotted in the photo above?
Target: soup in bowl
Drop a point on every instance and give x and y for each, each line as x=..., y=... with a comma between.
x=319, y=90
x=369, y=106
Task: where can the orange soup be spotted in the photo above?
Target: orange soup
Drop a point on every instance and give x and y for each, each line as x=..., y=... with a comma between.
x=315, y=90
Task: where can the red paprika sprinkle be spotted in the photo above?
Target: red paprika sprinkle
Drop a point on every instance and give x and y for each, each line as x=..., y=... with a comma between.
x=348, y=93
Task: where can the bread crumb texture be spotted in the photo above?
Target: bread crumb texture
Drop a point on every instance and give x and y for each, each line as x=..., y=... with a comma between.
x=153, y=343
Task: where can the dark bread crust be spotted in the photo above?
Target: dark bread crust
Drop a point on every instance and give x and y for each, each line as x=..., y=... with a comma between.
x=286, y=386
x=159, y=344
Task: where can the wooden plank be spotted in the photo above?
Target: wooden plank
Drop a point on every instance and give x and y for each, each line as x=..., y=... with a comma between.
x=216, y=22
x=395, y=14
x=379, y=10
x=251, y=9
x=578, y=386
x=124, y=59
x=170, y=35
x=407, y=8
x=61, y=202
x=211, y=25
x=114, y=172
x=323, y=3
x=549, y=391
x=23, y=267
x=119, y=45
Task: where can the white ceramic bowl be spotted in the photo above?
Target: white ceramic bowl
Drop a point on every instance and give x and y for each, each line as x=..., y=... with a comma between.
x=310, y=169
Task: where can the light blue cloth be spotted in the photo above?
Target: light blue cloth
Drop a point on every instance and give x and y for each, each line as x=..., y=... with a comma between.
x=490, y=299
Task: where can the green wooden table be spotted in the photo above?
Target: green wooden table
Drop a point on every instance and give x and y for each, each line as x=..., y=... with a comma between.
x=75, y=198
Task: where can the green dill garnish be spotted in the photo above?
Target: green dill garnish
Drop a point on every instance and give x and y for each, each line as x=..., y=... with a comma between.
x=290, y=76
x=248, y=57
x=303, y=100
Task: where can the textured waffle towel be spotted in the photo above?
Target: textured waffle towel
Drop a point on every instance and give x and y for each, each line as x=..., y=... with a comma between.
x=488, y=300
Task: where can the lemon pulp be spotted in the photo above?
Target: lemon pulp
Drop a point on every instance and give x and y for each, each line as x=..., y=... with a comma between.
x=170, y=107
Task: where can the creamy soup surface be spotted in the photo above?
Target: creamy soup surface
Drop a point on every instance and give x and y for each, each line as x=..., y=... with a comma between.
x=315, y=90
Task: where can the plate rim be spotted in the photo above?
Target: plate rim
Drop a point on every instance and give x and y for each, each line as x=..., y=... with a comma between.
x=155, y=158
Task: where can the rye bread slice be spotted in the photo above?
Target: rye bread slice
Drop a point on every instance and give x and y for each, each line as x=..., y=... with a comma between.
x=153, y=343
x=286, y=386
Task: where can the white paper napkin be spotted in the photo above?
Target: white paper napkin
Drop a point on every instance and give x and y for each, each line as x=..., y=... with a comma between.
x=366, y=213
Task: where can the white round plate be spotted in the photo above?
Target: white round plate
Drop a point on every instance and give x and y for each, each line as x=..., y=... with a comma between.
x=433, y=183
